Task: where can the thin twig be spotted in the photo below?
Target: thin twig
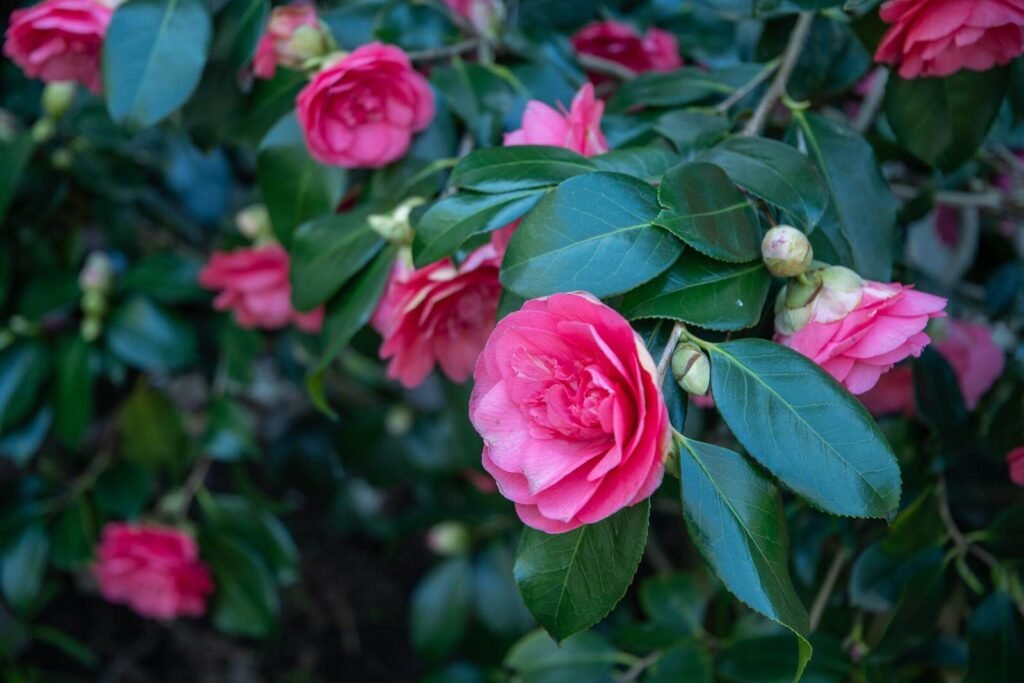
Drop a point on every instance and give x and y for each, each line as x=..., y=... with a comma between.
x=829, y=585
x=872, y=102
x=963, y=546
x=605, y=66
x=778, y=87
x=445, y=51
x=641, y=665
x=195, y=479
x=666, y=354
x=748, y=87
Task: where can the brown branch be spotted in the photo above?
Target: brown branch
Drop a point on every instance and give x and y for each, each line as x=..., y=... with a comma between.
x=445, y=51
x=827, y=587
x=778, y=87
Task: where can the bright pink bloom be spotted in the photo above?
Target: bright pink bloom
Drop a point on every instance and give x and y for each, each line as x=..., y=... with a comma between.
x=941, y=37
x=275, y=46
x=154, y=570
x=969, y=349
x=886, y=326
x=567, y=402
x=579, y=129
x=441, y=314
x=254, y=284
x=60, y=40
x=614, y=41
x=1015, y=459
x=362, y=110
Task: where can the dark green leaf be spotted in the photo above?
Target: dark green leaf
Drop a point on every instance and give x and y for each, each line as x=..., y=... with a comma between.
x=123, y=490
x=686, y=661
x=585, y=657
x=74, y=535
x=151, y=430
x=231, y=432
x=439, y=609
x=295, y=187
x=645, y=163
x=14, y=155
x=776, y=173
x=879, y=575
x=994, y=642
x=527, y=167
x=240, y=519
x=269, y=101
x=246, y=602
x=23, y=567
x=23, y=369
x=674, y=600
x=145, y=336
x=942, y=121
x=704, y=292
x=805, y=428
x=481, y=95
x=655, y=334
x=937, y=393
x=326, y=252
x=22, y=443
x=734, y=514
x=239, y=27
x=691, y=131
x=74, y=392
x=153, y=56
x=861, y=215
x=593, y=233
x=452, y=220
x=496, y=601
x=704, y=209
x=571, y=581
x=166, y=277
x=684, y=86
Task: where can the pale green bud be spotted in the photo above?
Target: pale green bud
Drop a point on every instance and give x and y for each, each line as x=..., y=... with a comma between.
x=786, y=251
x=691, y=369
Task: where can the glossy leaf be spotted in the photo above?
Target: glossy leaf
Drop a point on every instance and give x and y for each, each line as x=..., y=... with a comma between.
x=246, y=602
x=326, y=252
x=23, y=566
x=527, y=167
x=734, y=515
x=239, y=518
x=675, y=600
x=74, y=536
x=861, y=216
x=994, y=642
x=776, y=173
x=688, y=85
x=593, y=233
x=145, y=336
x=569, y=581
x=646, y=163
x=805, y=428
x=584, y=657
x=73, y=399
x=702, y=207
x=151, y=430
x=153, y=56
x=23, y=369
x=14, y=156
x=937, y=394
x=703, y=292
x=685, y=661
x=439, y=609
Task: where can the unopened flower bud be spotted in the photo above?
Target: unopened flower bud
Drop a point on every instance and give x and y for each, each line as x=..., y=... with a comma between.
x=841, y=292
x=43, y=130
x=57, y=99
x=786, y=251
x=62, y=159
x=91, y=329
x=487, y=16
x=94, y=303
x=448, y=538
x=97, y=274
x=254, y=222
x=395, y=227
x=398, y=421
x=691, y=369
x=306, y=42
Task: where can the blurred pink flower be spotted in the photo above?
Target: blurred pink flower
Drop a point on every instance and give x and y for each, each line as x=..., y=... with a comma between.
x=154, y=570
x=941, y=37
x=884, y=327
x=254, y=285
x=281, y=46
x=567, y=402
x=60, y=40
x=362, y=110
x=613, y=41
x=1015, y=460
x=439, y=314
x=969, y=349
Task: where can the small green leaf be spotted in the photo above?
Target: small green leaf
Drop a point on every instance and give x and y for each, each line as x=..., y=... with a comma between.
x=937, y=393
x=239, y=518
x=584, y=657
x=509, y=169
x=74, y=535
x=23, y=369
x=166, y=277
x=686, y=661
x=326, y=252
x=703, y=292
x=145, y=336
x=776, y=173
x=14, y=156
x=805, y=428
x=734, y=514
x=23, y=567
x=674, y=600
x=439, y=609
x=74, y=392
x=593, y=233
x=571, y=581
x=702, y=207
x=692, y=131
x=942, y=121
x=645, y=163
x=295, y=188
x=994, y=642
x=124, y=489
x=496, y=600
x=152, y=434
x=246, y=602
x=153, y=56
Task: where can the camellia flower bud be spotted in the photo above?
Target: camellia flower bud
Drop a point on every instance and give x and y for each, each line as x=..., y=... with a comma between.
x=97, y=274
x=307, y=42
x=254, y=222
x=395, y=227
x=57, y=98
x=825, y=294
x=786, y=251
x=448, y=538
x=691, y=369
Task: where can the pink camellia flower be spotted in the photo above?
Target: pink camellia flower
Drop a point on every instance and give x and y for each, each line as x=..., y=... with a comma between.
x=154, y=570
x=361, y=110
x=60, y=40
x=968, y=348
x=614, y=41
x=483, y=15
x=567, y=402
x=1015, y=459
x=941, y=37
x=293, y=35
x=579, y=129
x=440, y=314
x=254, y=285
x=882, y=325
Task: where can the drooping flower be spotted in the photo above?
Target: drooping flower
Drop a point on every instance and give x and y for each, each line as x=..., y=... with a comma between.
x=60, y=40
x=941, y=37
x=968, y=348
x=440, y=314
x=858, y=333
x=294, y=34
x=567, y=402
x=579, y=129
x=254, y=285
x=613, y=41
x=361, y=110
x=154, y=570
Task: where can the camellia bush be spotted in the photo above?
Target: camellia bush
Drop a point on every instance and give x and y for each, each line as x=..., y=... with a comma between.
x=522, y=341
